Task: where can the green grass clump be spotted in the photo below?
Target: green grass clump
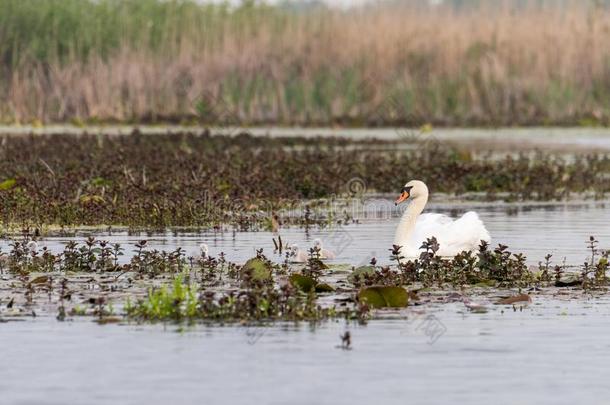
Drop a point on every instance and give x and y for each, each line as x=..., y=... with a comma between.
x=177, y=303
x=262, y=302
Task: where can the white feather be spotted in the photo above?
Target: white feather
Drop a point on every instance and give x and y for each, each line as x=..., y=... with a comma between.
x=453, y=235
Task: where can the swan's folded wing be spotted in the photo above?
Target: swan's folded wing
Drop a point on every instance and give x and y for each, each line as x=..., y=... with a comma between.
x=466, y=233
x=453, y=236
x=429, y=225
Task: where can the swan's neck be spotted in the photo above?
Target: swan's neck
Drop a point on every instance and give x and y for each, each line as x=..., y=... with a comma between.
x=406, y=226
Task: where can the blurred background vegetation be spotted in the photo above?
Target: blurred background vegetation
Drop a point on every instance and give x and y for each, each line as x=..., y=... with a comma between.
x=460, y=62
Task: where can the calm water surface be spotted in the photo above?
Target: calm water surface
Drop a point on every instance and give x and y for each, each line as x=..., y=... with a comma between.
x=535, y=230
x=546, y=138
x=554, y=351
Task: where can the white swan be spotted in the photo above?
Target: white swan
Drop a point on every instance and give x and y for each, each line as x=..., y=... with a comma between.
x=204, y=252
x=324, y=253
x=453, y=236
x=32, y=247
x=297, y=255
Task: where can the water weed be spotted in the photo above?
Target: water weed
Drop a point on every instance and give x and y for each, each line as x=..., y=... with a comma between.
x=252, y=183
x=159, y=286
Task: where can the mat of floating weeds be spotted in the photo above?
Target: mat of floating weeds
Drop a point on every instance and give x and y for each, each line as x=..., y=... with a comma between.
x=200, y=180
x=105, y=296
x=87, y=279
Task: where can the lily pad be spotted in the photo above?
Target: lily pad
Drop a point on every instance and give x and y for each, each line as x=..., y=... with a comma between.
x=569, y=280
x=360, y=272
x=306, y=284
x=384, y=296
x=303, y=283
x=40, y=280
x=340, y=268
x=259, y=269
x=324, y=287
x=108, y=320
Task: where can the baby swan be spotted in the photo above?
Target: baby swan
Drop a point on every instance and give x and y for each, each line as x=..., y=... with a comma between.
x=32, y=247
x=204, y=252
x=297, y=255
x=324, y=253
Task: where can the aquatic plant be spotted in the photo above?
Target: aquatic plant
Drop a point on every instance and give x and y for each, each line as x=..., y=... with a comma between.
x=93, y=256
x=261, y=302
x=251, y=183
x=594, y=271
x=176, y=303
x=486, y=267
x=497, y=267
x=162, y=286
x=383, y=297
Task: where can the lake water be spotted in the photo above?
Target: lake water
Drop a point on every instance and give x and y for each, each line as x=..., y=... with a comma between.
x=545, y=138
x=553, y=351
x=533, y=229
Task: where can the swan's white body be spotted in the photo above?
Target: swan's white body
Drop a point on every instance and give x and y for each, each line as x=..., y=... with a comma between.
x=301, y=256
x=204, y=252
x=32, y=247
x=453, y=236
x=324, y=253
x=297, y=255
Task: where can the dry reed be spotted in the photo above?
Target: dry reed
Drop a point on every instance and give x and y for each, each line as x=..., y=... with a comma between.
x=379, y=65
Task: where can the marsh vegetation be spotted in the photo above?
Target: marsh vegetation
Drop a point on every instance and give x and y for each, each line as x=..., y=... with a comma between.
x=173, y=191
x=87, y=279
x=202, y=180
x=499, y=63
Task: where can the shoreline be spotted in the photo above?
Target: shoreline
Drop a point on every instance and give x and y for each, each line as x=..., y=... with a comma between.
x=568, y=139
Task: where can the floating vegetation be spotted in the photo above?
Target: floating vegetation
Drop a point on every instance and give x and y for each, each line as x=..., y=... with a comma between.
x=252, y=183
x=497, y=267
x=383, y=297
x=485, y=268
x=308, y=284
x=92, y=256
x=88, y=279
x=255, y=303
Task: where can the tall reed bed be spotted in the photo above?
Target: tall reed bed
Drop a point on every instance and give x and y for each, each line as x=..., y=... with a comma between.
x=394, y=63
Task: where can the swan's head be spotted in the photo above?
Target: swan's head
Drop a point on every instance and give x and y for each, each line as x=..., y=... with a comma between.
x=317, y=242
x=413, y=189
x=32, y=246
x=292, y=249
x=204, y=249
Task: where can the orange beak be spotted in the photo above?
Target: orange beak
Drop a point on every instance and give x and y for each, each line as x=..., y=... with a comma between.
x=403, y=196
